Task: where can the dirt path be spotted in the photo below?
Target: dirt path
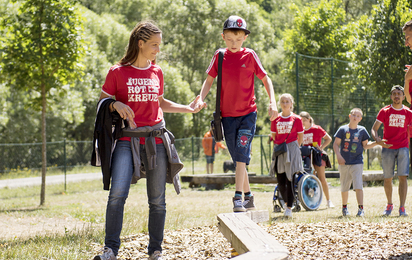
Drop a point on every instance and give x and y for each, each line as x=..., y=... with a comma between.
x=12, y=227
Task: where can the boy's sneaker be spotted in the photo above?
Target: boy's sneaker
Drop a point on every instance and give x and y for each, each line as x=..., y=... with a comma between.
x=238, y=204
x=388, y=210
x=402, y=212
x=345, y=212
x=157, y=255
x=288, y=213
x=107, y=255
x=330, y=204
x=248, y=203
x=361, y=213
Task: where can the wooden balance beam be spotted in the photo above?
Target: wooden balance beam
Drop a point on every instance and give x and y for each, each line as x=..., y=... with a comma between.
x=220, y=179
x=248, y=239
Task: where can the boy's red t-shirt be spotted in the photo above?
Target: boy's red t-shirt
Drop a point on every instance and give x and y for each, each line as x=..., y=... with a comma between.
x=282, y=127
x=314, y=134
x=238, y=73
x=395, y=125
x=139, y=88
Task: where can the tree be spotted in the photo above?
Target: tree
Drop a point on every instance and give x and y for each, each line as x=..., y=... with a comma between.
x=42, y=54
x=381, y=54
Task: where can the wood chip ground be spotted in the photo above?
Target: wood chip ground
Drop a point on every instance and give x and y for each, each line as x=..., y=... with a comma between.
x=329, y=240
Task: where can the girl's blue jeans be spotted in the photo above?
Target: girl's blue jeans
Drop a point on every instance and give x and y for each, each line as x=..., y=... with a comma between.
x=122, y=171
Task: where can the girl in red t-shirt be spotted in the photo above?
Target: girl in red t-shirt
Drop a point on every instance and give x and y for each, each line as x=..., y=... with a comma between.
x=287, y=127
x=313, y=136
x=137, y=84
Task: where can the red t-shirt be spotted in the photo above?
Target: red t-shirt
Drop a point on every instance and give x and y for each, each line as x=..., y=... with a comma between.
x=395, y=125
x=282, y=126
x=238, y=73
x=139, y=88
x=314, y=134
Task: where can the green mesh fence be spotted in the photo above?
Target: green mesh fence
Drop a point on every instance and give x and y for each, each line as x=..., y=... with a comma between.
x=329, y=89
x=64, y=155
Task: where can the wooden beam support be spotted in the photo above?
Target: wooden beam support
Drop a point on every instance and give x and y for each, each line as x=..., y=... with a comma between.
x=248, y=239
x=198, y=179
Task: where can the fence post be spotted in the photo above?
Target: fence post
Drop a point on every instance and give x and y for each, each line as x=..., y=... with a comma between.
x=297, y=83
x=193, y=156
x=333, y=109
x=65, y=163
x=261, y=157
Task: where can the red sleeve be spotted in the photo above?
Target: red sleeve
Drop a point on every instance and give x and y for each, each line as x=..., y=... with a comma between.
x=322, y=131
x=259, y=70
x=212, y=69
x=110, y=86
x=381, y=116
x=299, y=125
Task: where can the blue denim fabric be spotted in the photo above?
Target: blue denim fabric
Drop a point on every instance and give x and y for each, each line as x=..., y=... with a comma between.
x=389, y=156
x=239, y=133
x=122, y=172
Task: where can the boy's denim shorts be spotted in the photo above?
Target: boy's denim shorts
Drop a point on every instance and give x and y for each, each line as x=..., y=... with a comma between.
x=348, y=174
x=239, y=132
x=389, y=156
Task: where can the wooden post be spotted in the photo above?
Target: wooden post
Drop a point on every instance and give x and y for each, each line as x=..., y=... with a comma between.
x=248, y=239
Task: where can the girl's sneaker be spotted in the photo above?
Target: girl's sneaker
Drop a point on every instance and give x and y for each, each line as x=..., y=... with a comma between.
x=288, y=213
x=107, y=255
x=330, y=204
x=402, y=212
x=157, y=255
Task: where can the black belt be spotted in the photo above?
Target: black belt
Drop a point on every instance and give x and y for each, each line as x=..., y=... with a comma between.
x=132, y=133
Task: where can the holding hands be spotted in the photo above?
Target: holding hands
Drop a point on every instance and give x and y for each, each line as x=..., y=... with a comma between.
x=197, y=104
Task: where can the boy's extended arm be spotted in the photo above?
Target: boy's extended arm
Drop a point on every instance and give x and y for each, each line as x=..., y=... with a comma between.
x=207, y=84
x=273, y=109
x=367, y=145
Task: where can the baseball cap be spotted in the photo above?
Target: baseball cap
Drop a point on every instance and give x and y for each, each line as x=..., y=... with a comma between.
x=397, y=87
x=235, y=22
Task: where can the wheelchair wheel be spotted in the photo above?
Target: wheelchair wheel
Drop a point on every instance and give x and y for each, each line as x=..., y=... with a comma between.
x=278, y=202
x=276, y=208
x=296, y=208
x=310, y=192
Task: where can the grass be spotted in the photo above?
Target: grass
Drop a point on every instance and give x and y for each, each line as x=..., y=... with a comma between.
x=86, y=201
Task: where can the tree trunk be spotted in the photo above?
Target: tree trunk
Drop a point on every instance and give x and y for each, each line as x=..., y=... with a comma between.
x=43, y=147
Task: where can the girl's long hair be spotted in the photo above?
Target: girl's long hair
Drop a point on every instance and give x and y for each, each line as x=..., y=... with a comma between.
x=306, y=115
x=143, y=31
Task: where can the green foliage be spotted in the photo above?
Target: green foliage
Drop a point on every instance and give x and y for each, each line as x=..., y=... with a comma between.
x=320, y=31
x=380, y=53
x=43, y=44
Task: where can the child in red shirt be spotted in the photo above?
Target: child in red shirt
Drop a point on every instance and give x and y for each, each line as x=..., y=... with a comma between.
x=287, y=127
x=237, y=102
x=313, y=136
